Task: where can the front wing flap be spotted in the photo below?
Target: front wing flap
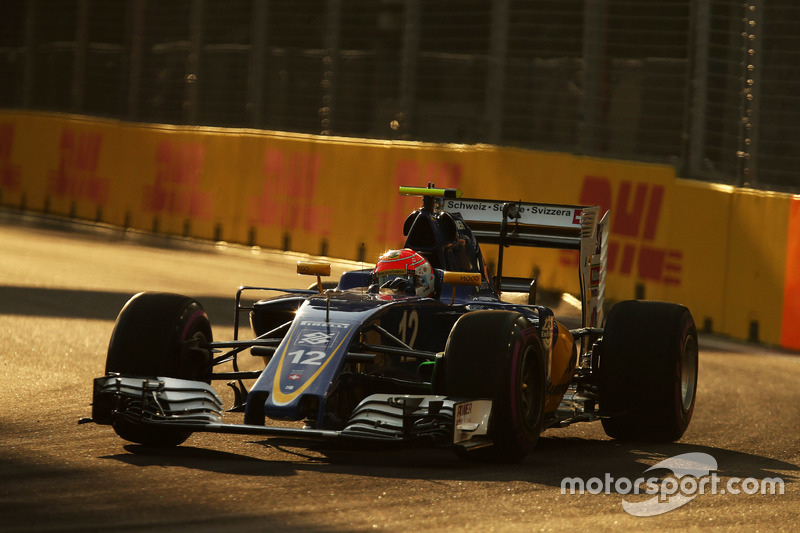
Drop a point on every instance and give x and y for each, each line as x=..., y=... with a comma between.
x=412, y=417
x=195, y=406
x=158, y=399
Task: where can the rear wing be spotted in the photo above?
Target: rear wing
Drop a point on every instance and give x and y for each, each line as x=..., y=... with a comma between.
x=569, y=227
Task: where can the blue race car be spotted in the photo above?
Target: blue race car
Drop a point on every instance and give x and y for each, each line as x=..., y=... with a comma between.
x=420, y=350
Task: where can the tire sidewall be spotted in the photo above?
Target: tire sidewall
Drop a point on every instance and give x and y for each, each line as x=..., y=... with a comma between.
x=148, y=340
x=688, y=343
x=522, y=427
x=644, y=351
x=150, y=332
x=486, y=358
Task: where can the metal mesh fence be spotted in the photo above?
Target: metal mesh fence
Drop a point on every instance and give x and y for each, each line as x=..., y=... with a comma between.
x=542, y=75
x=711, y=86
x=776, y=138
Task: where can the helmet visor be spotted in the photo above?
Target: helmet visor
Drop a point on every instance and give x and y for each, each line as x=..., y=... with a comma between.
x=388, y=275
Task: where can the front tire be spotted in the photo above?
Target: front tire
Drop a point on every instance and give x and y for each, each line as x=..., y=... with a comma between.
x=497, y=355
x=159, y=334
x=648, y=371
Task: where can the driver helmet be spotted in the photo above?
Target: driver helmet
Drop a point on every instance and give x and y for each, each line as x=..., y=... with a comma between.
x=405, y=264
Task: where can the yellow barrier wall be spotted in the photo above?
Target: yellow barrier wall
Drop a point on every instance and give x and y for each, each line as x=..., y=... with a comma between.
x=721, y=251
x=756, y=261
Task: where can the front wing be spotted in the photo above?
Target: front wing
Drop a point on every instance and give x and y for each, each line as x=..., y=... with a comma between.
x=195, y=406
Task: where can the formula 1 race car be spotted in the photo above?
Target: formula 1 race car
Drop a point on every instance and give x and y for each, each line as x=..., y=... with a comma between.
x=372, y=359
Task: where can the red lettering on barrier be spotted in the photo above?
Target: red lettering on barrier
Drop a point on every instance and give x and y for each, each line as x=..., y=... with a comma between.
x=411, y=172
x=9, y=174
x=635, y=214
x=287, y=198
x=596, y=190
x=651, y=263
x=673, y=267
x=76, y=177
x=179, y=163
x=653, y=212
x=628, y=215
x=175, y=191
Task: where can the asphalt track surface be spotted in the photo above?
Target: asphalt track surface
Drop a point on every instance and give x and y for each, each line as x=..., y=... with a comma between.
x=60, y=291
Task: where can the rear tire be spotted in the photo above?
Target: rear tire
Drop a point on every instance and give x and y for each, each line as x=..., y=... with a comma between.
x=150, y=339
x=648, y=371
x=497, y=355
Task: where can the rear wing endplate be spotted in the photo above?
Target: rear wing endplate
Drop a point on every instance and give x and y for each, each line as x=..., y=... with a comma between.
x=569, y=227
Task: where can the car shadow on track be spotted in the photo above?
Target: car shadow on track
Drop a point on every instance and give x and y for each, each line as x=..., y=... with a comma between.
x=203, y=459
x=91, y=304
x=554, y=459
x=588, y=458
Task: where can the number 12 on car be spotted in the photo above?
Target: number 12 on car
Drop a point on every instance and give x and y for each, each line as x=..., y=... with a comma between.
x=303, y=357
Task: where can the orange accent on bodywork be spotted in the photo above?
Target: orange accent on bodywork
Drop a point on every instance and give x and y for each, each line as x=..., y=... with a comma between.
x=561, y=367
x=462, y=278
x=313, y=268
x=790, y=332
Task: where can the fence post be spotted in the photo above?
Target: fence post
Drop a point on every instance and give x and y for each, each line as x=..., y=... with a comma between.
x=193, y=77
x=257, y=63
x=330, y=66
x=752, y=78
x=594, y=85
x=496, y=71
x=80, y=50
x=136, y=45
x=408, y=74
x=698, y=90
x=30, y=53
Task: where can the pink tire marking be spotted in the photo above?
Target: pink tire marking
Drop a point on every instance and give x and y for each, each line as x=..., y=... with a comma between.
x=189, y=323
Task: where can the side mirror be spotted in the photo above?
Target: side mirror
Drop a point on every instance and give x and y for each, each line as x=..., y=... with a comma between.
x=313, y=268
x=461, y=278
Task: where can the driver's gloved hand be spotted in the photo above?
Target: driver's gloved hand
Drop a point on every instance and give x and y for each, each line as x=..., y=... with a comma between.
x=400, y=286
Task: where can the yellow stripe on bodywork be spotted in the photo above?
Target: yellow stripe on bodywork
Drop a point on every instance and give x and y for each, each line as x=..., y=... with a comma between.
x=280, y=397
